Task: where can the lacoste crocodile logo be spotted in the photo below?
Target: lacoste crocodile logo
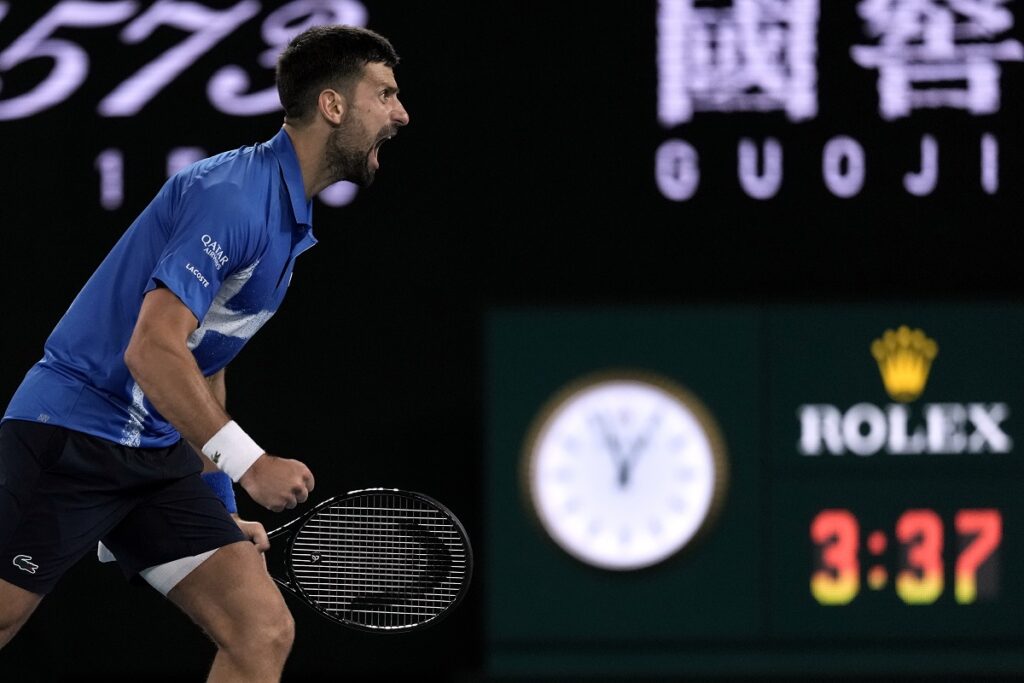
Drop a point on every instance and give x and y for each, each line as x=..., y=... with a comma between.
x=25, y=563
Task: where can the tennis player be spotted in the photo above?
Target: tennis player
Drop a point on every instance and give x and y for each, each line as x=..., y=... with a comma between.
x=99, y=443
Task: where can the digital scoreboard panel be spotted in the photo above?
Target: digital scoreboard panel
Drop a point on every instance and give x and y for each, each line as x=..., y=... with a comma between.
x=867, y=511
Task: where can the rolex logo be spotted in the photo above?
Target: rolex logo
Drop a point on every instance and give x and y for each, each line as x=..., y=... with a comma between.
x=904, y=358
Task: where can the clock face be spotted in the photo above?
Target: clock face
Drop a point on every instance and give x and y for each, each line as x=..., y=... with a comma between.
x=623, y=471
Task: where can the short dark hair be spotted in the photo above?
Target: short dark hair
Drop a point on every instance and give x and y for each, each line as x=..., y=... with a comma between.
x=326, y=56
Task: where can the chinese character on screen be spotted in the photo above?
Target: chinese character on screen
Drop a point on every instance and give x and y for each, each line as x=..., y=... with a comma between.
x=937, y=53
x=744, y=55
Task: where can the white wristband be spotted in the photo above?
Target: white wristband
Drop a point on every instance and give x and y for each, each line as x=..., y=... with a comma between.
x=232, y=450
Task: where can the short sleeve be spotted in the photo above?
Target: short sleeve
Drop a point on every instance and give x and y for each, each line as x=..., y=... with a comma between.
x=212, y=236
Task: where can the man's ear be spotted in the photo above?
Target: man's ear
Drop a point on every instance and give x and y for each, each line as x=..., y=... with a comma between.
x=332, y=106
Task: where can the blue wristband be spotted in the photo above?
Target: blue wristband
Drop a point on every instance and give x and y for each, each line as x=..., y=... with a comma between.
x=223, y=487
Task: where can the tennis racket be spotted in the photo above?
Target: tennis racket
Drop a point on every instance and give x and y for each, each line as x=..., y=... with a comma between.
x=381, y=560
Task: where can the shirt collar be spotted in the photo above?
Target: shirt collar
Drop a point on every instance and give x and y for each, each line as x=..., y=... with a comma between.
x=283, y=149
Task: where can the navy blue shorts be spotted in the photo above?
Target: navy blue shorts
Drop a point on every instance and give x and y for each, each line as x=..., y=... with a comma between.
x=62, y=491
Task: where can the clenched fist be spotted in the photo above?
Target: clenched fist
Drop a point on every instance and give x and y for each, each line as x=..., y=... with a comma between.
x=277, y=483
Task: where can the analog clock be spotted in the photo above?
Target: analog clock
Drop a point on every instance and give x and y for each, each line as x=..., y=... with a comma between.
x=623, y=470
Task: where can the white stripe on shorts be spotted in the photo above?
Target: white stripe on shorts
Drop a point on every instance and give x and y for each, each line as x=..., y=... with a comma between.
x=166, y=576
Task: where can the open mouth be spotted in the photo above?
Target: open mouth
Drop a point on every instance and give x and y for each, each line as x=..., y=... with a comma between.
x=375, y=150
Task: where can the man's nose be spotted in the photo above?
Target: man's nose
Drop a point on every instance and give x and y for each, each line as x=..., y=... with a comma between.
x=400, y=116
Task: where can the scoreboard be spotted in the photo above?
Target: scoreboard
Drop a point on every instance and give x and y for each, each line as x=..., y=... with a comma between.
x=868, y=510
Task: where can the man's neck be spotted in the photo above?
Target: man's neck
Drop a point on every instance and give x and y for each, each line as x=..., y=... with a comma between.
x=309, y=149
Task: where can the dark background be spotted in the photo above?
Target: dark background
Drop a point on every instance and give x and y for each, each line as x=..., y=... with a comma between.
x=526, y=178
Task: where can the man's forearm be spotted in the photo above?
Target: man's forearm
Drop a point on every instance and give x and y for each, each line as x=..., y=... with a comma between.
x=218, y=387
x=171, y=380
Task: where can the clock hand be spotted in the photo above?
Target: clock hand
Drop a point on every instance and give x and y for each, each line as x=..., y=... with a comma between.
x=614, y=449
x=637, y=449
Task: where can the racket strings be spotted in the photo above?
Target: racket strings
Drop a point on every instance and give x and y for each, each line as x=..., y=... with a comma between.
x=381, y=560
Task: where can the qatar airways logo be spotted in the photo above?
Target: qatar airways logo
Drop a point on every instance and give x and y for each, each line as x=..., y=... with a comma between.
x=214, y=251
x=904, y=358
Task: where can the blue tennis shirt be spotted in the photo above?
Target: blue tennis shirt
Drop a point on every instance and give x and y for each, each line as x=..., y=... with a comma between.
x=223, y=235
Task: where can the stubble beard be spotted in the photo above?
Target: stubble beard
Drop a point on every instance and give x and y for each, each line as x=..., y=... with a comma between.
x=346, y=160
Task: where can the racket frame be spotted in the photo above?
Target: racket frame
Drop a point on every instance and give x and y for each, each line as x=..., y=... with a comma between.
x=291, y=583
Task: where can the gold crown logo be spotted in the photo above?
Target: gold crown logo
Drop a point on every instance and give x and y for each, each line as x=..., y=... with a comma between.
x=904, y=358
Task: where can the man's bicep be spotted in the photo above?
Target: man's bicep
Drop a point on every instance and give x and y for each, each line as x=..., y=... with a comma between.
x=164, y=316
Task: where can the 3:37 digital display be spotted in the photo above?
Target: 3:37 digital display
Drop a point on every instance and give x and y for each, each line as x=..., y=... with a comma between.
x=849, y=559
x=910, y=558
